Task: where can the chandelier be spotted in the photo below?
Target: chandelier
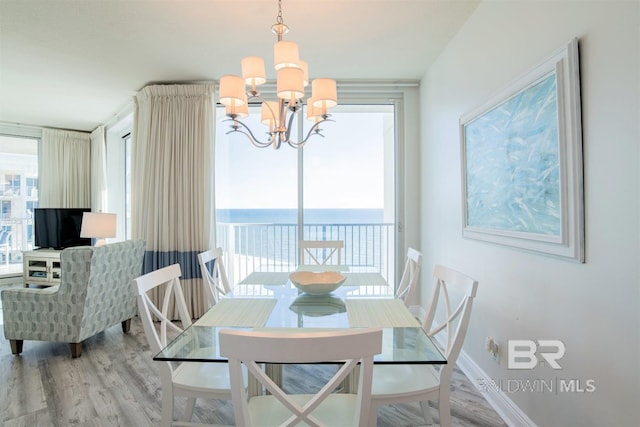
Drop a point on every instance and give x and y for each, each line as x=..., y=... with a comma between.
x=292, y=77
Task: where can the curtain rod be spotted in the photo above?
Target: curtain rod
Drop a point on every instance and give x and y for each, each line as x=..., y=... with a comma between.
x=37, y=128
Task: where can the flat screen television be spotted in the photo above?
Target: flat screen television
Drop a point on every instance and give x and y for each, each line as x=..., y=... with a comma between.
x=58, y=228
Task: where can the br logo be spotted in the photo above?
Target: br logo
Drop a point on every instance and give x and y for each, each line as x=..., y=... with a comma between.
x=524, y=354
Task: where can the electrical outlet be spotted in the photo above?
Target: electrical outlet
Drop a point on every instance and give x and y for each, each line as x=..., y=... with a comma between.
x=488, y=343
x=491, y=346
x=495, y=352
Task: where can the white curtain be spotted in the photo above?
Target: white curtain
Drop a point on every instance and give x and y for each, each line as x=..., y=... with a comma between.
x=64, y=169
x=172, y=180
x=98, y=171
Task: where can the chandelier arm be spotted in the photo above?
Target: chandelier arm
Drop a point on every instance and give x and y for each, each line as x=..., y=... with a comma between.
x=248, y=133
x=288, y=133
x=313, y=128
x=313, y=131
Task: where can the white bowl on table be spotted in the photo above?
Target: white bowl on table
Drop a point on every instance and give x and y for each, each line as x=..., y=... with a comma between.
x=317, y=283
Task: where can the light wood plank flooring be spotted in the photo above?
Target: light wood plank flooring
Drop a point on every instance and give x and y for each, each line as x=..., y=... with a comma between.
x=116, y=383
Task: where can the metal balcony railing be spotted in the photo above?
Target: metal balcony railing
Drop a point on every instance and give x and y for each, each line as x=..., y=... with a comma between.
x=16, y=235
x=274, y=247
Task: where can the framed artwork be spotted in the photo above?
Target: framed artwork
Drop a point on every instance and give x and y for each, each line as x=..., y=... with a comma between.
x=522, y=179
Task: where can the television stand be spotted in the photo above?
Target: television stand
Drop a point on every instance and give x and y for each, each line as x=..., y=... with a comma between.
x=41, y=267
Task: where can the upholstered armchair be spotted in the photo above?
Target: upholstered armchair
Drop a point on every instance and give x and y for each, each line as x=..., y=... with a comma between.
x=94, y=293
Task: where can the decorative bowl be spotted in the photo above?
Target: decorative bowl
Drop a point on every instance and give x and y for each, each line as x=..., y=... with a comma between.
x=317, y=305
x=317, y=283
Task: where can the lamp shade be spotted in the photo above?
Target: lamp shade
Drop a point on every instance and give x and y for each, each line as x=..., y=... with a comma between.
x=314, y=113
x=253, y=71
x=237, y=110
x=98, y=225
x=232, y=90
x=324, y=93
x=305, y=70
x=285, y=54
x=290, y=83
x=270, y=113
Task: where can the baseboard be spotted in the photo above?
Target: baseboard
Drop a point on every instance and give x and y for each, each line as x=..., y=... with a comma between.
x=498, y=399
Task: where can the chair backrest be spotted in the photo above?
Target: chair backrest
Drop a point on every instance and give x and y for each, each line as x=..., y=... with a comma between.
x=214, y=275
x=450, y=286
x=348, y=347
x=410, y=276
x=110, y=299
x=320, y=252
x=166, y=281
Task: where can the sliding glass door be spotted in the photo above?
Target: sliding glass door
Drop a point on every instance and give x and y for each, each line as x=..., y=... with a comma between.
x=256, y=201
x=340, y=187
x=348, y=190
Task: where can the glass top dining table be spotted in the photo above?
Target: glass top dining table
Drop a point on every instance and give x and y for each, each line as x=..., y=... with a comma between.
x=270, y=301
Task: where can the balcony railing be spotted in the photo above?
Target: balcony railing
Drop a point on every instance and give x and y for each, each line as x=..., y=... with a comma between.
x=274, y=247
x=18, y=239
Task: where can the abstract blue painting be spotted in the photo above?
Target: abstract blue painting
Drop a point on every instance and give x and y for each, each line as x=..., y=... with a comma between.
x=513, y=163
x=521, y=158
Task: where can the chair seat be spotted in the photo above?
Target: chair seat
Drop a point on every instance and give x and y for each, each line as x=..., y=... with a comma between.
x=337, y=409
x=403, y=380
x=203, y=377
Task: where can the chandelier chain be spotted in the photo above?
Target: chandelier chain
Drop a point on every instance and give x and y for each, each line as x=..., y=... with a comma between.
x=279, y=19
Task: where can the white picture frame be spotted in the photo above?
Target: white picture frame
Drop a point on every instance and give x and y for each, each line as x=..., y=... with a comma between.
x=522, y=167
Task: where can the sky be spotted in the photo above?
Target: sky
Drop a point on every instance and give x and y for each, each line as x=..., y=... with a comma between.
x=345, y=169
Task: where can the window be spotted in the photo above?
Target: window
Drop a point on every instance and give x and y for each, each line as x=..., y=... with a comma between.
x=5, y=209
x=12, y=185
x=348, y=185
x=340, y=187
x=19, y=169
x=32, y=187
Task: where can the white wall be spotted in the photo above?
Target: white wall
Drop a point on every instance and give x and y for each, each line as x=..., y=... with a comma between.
x=592, y=307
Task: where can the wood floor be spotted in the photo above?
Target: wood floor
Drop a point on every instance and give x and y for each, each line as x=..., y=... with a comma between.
x=115, y=383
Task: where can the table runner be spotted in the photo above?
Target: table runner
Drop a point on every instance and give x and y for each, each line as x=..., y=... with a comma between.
x=383, y=313
x=266, y=278
x=364, y=279
x=246, y=312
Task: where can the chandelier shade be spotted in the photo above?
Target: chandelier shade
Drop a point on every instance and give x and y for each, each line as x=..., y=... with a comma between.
x=290, y=83
x=305, y=71
x=313, y=113
x=292, y=76
x=268, y=113
x=232, y=90
x=253, y=71
x=325, y=93
x=285, y=54
x=238, y=110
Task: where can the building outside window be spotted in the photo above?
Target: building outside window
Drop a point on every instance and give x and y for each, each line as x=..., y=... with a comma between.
x=12, y=185
x=19, y=170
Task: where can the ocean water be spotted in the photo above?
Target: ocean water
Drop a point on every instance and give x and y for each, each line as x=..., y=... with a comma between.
x=290, y=216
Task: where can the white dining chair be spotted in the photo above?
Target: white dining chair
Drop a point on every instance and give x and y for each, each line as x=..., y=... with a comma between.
x=410, y=383
x=320, y=252
x=190, y=379
x=349, y=348
x=410, y=276
x=214, y=275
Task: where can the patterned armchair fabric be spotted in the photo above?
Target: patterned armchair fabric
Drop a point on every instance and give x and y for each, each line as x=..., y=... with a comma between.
x=94, y=294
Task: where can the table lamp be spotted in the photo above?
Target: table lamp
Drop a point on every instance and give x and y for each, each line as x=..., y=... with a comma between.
x=98, y=225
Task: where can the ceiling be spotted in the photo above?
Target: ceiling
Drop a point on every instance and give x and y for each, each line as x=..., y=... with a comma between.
x=74, y=64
